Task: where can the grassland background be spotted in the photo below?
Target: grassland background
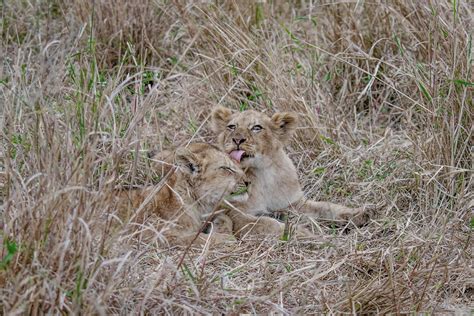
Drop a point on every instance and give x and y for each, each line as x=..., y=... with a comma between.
x=385, y=93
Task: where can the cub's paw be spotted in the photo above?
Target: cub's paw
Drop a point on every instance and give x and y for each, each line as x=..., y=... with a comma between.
x=358, y=216
x=223, y=224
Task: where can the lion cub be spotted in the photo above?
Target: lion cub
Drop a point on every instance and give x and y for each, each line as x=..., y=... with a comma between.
x=198, y=178
x=256, y=141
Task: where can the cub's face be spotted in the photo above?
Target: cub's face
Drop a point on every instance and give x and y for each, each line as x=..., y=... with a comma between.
x=248, y=137
x=211, y=175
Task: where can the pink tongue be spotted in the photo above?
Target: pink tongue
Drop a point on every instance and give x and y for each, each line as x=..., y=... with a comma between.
x=236, y=154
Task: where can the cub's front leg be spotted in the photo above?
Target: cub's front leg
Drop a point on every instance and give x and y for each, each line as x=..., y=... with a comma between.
x=222, y=223
x=334, y=212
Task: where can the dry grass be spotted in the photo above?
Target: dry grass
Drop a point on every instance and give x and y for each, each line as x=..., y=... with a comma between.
x=385, y=92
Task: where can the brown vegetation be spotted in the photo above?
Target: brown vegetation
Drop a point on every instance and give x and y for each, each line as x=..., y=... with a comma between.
x=385, y=93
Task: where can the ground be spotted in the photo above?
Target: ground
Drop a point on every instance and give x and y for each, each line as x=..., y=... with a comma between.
x=384, y=91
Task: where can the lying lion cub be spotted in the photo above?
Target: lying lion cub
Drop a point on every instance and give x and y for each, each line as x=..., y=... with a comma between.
x=229, y=220
x=256, y=141
x=197, y=179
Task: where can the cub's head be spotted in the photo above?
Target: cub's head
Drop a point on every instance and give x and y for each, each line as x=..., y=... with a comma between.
x=250, y=136
x=208, y=174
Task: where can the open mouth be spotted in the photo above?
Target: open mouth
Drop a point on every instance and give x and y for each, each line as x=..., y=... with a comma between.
x=239, y=155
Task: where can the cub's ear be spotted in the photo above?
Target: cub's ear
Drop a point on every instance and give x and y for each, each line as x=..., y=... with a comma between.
x=285, y=124
x=219, y=118
x=187, y=161
x=161, y=161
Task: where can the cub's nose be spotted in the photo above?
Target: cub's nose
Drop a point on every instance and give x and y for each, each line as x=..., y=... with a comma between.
x=238, y=141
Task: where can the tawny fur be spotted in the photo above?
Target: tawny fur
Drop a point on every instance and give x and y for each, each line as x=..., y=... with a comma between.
x=198, y=178
x=232, y=222
x=273, y=176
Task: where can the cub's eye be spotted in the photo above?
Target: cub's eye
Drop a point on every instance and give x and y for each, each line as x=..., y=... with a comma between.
x=256, y=128
x=231, y=127
x=227, y=169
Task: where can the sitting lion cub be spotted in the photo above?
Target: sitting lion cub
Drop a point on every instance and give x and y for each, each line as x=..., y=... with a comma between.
x=197, y=179
x=256, y=141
